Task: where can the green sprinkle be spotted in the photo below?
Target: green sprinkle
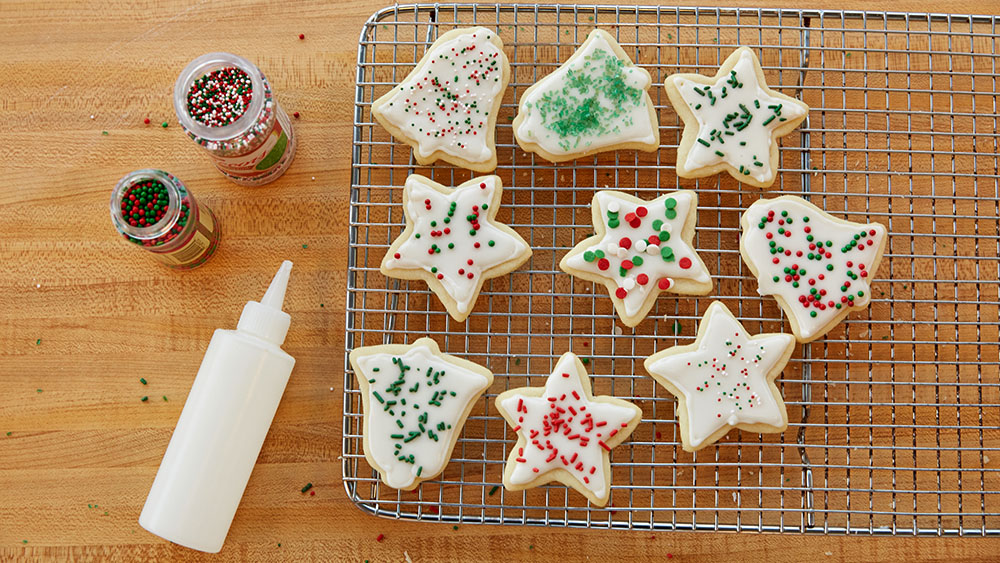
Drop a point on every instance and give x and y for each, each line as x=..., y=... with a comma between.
x=164, y=398
x=305, y=489
x=305, y=246
x=164, y=125
x=38, y=390
x=142, y=380
x=38, y=342
x=9, y=433
x=768, y=120
x=494, y=489
x=720, y=153
x=586, y=361
x=677, y=327
x=454, y=527
x=104, y=132
x=144, y=398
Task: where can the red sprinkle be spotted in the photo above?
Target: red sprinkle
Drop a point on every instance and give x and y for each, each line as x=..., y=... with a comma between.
x=295, y=115
x=146, y=121
x=685, y=263
x=380, y=537
x=301, y=36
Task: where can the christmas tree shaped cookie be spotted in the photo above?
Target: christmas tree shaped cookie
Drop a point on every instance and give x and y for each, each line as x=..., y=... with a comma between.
x=732, y=121
x=452, y=240
x=641, y=249
x=596, y=101
x=565, y=433
x=818, y=267
x=724, y=380
x=415, y=401
x=446, y=108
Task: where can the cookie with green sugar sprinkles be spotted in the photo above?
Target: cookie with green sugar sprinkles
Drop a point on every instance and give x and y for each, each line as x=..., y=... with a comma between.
x=732, y=121
x=415, y=401
x=817, y=266
x=641, y=249
x=453, y=241
x=597, y=101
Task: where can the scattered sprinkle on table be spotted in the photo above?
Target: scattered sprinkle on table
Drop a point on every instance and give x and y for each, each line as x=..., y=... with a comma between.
x=302, y=36
x=586, y=361
x=164, y=125
x=380, y=537
x=142, y=380
x=38, y=342
x=279, y=544
x=494, y=489
x=305, y=246
x=9, y=433
x=104, y=132
x=144, y=398
x=24, y=541
x=38, y=390
x=295, y=114
x=454, y=527
x=320, y=304
x=146, y=121
x=307, y=487
x=164, y=398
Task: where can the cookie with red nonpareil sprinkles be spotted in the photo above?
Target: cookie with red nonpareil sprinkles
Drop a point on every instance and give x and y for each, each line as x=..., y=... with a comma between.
x=453, y=242
x=641, y=249
x=565, y=433
x=446, y=108
x=817, y=266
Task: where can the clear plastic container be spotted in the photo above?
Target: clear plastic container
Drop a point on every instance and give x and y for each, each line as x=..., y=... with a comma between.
x=182, y=233
x=254, y=149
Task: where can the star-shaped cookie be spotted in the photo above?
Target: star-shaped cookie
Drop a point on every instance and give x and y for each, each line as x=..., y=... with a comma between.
x=732, y=121
x=724, y=380
x=415, y=401
x=641, y=248
x=818, y=267
x=453, y=241
x=564, y=433
x=446, y=108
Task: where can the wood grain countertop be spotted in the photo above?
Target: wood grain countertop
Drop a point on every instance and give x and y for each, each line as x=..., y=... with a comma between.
x=83, y=316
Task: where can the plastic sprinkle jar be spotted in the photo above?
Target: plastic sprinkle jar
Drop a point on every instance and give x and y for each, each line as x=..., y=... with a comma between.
x=224, y=103
x=154, y=210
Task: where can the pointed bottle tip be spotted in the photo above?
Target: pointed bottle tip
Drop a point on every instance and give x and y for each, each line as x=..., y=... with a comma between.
x=275, y=295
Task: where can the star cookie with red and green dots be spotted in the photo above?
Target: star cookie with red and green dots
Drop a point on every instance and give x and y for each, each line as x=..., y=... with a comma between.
x=724, y=380
x=817, y=266
x=641, y=248
x=452, y=240
x=565, y=433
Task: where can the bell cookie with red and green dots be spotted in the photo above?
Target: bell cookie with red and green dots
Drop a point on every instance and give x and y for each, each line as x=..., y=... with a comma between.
x=640, y=249
x=446, y=108
x=732, y=121
x=415, y=400
x=818, y=267
x=453, y=241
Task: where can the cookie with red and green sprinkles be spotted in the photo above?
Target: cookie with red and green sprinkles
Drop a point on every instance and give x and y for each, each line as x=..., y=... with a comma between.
x=453, y=241
x=446, y=108
x=640, y=250
x=597, y=101
x=415, y=401
x=732, y=121
x=817, y=266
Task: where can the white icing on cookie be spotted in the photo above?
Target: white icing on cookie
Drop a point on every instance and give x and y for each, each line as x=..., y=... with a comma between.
x=445, y=104
x=639, y=247
x=565, y=428
x=453, y=236
x=595, y=100
x=417, y=400
x=724, y=379
x=736, y=118
x=819, y=265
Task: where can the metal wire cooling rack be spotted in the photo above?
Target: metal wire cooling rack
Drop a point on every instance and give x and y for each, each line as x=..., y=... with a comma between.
x=895, y=414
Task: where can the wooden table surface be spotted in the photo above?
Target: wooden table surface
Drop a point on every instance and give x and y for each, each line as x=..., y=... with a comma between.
x=83, y=316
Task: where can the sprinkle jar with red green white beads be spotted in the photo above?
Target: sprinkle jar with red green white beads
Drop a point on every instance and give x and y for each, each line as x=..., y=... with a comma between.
x=224, y=103
x=153, y=209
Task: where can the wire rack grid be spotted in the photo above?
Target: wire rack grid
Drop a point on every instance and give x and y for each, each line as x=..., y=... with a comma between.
x=895, y=414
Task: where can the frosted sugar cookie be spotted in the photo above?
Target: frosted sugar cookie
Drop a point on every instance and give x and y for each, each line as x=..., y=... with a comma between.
x=446, y=108
x=415, y=401
x=596, y=101
x=724, y=380
x=452, y=240
x=732, y=121
x=564, y=432
x=818, y=267
x=641, y=249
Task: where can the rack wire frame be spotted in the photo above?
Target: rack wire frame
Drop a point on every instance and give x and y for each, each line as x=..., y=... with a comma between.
x=895, y=414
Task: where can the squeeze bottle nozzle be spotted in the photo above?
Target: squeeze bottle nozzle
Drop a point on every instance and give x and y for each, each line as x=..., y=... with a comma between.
x=265, y=319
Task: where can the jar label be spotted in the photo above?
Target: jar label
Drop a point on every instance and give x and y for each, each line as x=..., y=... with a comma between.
x=198, y=248
x=272, y=155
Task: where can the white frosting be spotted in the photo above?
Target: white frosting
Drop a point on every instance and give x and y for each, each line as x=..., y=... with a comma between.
x=828, y=283
x=582, y=106
x=409, y=436
x=446, y=104
x=639, y=281
x=573, y=438
x=427, y=210
x=724, y=380
x=747, y=100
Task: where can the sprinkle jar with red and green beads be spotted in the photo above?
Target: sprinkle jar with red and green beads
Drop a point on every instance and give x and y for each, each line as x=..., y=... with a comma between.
x=153, y=209
x=224, y=103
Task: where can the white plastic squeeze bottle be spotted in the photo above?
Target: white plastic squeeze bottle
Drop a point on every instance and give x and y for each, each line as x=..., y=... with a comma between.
x=222, y=427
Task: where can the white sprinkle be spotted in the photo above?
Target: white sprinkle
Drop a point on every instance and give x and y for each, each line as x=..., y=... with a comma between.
x=652, y=250
x=640, y=245
x=986, y=459
x=828, y=553
x=613, y=206
x=314, y=178
x=331, y=389
x=622, y=253
x=407, y=556
x=92, y=117
x=734, y=496
x=618, y=330
x=38, y=285
x=628, y=284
